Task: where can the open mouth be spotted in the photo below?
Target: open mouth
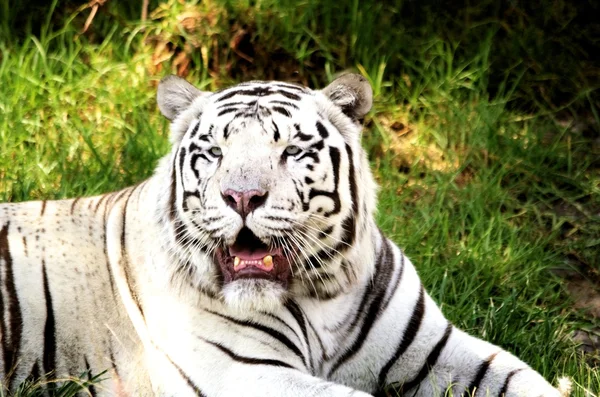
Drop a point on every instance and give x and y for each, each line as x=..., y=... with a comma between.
x=250, y=258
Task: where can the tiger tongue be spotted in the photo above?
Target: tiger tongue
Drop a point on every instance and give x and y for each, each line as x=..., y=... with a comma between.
x=248, y=255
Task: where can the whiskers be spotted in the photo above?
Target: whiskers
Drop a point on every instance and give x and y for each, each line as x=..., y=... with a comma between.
x=310, y=257
x=315, y=252
x=187, y=249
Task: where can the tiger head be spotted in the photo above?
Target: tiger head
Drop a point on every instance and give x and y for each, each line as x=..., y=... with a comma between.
x=270, y=190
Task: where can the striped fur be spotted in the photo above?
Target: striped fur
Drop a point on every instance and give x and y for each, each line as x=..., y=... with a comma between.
x=131, y=282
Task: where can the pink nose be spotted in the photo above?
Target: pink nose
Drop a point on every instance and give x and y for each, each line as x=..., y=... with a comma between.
x=244, y=202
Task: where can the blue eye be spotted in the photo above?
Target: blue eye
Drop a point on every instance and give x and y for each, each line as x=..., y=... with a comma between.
x=292, y=150
x=216, y=151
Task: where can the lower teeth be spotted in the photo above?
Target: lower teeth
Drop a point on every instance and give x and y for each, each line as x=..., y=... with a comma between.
x=267, y=262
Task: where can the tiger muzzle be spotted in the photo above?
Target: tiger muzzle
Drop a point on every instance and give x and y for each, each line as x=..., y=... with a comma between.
x=244, y=202
x=250, y=258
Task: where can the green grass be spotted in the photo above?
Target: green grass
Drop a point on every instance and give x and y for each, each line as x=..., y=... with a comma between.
x=496, y=192
x=66, y=387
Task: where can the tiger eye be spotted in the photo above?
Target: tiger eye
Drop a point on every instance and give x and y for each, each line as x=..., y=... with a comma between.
x=292, y=150
x=216, y=151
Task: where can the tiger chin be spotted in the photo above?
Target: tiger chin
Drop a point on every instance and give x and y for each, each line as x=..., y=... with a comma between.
x=248, y=264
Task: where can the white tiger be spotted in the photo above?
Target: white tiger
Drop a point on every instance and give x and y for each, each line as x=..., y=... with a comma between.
x=248, y=264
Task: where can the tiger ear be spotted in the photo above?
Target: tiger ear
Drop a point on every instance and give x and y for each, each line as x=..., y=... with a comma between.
x=351, y=92
x=175, y=95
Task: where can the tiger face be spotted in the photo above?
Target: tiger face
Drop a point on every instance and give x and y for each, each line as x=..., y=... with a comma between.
x=266, y=182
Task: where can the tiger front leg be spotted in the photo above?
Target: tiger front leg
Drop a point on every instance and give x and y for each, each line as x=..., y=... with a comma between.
x=488, y=370
x=268, y=381
x=464, y=365
x=214, y=370
x=431, y=357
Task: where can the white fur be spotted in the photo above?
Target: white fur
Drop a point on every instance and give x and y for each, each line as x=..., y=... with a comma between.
x=170, y=328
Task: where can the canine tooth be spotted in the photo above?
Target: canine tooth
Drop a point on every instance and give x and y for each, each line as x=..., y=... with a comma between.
x=268, y=261
x=236, y=261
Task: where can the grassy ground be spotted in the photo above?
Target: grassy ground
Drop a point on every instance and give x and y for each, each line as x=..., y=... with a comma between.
x=485, y=146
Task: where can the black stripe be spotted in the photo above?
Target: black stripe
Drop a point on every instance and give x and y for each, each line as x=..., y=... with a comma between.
x=184, y=200
x=483, y=368
x=111, y=356
x=324, y=355
x=15, y=324
x=352, y=178
x=350, y=276
x=116, y=196
x=261, y=91
x=182, y=237
x=430, y=362
x=194, y=148
x=323, y=131
x=281, y=322
x=173, y=192
x=317, y=146
x=296, y=312
x=324, y=293
x=194, y=160
x=312, y=151
x=284, y=103
x=397, y=283
x=325, y=232
x=195, y=130
x=227, y=110
x=361, y=307
x=189, y=381
x=380, y=284
x=226, y=131
x=212, y=219
x=49, y=358
x=228, y=95
x=125, y=257
x=228, y=104
x=287, y=94
x=276, y=219
x=24, y=250
x=267, y=330
x=316, y=261
x=364, y=300
x=182, y=153
x=300, y=135
x=251, y=113
x=349, y=224
x=43, y=208
x=104, y=197
x=409, y=335
x=91, y=387
x=140, y=189
x=512, y=373
x=289, y=86
x=276, y=134
x=311, y=155
x=334, y=153
x=248, y=360
x=73, y=204
x=34, y=375
x=111, y=278
x=282, y=110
